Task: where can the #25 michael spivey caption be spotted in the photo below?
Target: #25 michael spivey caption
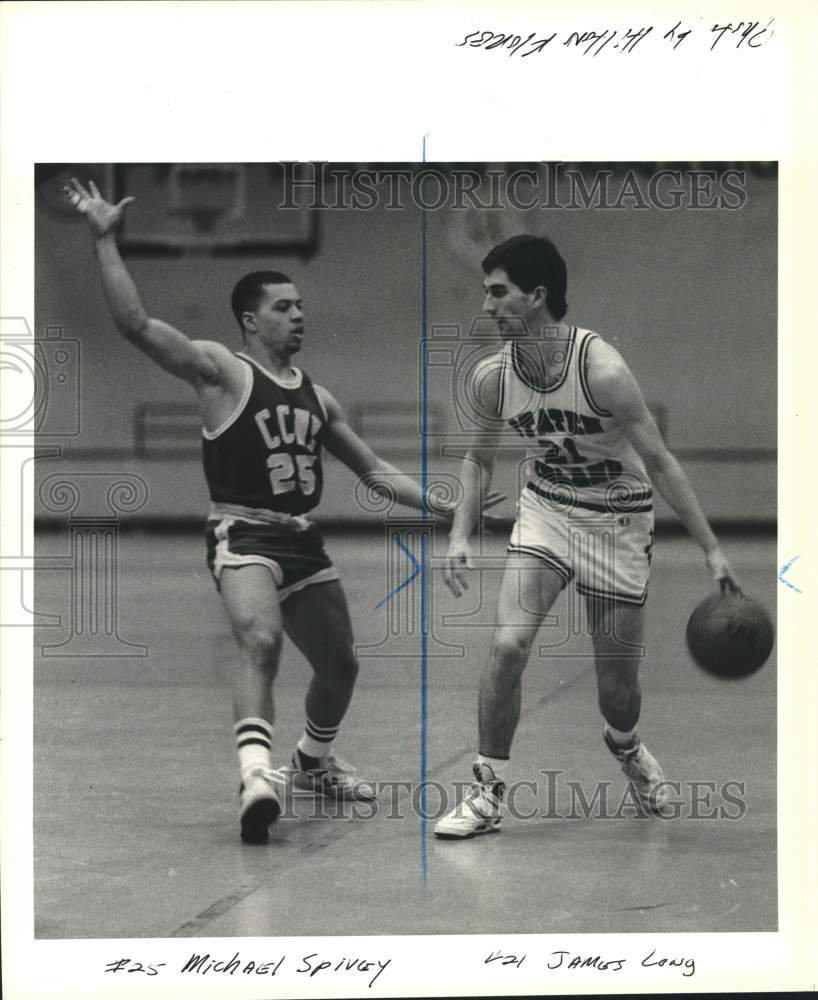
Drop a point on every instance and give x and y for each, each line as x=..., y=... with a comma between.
x=367, y=970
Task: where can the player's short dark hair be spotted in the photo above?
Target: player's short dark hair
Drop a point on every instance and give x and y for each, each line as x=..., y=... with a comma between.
x=531, y=261
x=249, y=290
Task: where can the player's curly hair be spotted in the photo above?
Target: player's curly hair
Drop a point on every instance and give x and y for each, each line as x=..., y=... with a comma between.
x=249, y=290
x=531, y=261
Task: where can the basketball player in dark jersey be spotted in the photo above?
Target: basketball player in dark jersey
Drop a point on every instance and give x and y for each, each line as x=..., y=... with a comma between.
x=265, y=424
x=585, y=515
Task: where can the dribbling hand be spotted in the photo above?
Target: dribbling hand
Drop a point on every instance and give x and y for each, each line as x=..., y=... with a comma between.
x=102, y=217
x=721, y=571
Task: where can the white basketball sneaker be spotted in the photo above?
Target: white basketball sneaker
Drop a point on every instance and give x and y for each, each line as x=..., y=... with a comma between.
x=643, y=772
x=479, y=812
x=334, y=778
x=259, y=803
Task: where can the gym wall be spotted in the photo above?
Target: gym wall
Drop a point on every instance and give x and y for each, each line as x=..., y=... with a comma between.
x=688, y=296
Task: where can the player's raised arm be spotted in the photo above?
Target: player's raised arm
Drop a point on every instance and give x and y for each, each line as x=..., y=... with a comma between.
x=615, y=389
x=342, y=442
x=167, y=346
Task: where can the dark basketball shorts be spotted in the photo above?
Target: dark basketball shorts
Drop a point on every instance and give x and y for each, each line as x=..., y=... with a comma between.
x=290, y=547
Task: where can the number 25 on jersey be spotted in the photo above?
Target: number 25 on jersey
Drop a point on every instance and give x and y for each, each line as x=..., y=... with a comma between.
x=286, y=476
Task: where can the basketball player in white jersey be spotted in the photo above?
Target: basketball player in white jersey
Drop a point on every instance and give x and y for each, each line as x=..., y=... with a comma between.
x=265, y=424
x=584, y=517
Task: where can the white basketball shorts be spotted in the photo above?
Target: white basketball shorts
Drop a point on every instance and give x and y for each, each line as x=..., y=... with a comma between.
x=606, y=553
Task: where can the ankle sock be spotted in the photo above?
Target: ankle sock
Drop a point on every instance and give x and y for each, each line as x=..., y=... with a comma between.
x=624, y=740
x=315, y=744
x=254, y=739
x=498, y=765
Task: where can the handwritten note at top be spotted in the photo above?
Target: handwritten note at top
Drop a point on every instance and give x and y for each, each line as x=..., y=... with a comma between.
x=743, y=34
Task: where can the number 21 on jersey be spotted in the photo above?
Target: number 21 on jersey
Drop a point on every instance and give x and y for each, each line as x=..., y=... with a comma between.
x=286, y=478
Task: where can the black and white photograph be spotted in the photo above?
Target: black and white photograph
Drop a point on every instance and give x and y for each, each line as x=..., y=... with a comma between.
x=400, y=546
x=525, y=444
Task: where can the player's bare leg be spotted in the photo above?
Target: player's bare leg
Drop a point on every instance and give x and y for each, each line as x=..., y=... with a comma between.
x=317, y=620
x=527, y=592
x=617, y=629
x=251, y=599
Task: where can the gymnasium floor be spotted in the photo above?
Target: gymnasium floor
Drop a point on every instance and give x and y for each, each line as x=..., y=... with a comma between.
x=135, y=828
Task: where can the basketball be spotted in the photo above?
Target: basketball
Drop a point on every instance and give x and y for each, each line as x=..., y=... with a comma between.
x=730, y=635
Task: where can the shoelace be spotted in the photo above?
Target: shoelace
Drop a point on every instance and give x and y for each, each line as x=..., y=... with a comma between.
x=479, y=794
x=266, y=773
x=630, y=753
x=337, y=769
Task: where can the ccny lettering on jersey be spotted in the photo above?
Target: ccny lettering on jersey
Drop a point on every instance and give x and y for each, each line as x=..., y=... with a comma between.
x=287, y=430
x=288, y=425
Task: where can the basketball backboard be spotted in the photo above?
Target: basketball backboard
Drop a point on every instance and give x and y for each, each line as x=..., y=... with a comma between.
x=204, y=208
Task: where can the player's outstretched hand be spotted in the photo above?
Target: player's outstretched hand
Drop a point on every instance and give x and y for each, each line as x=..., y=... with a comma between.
x=458, y=562
x=722, y=574
x=102, y=217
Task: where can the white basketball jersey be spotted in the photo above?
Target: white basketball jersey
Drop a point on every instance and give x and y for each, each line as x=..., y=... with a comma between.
x=578, y=453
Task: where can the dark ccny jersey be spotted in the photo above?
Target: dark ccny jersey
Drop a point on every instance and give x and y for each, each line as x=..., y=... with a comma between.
x=267, y=454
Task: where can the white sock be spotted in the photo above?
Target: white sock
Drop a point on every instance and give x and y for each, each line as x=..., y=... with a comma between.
x=254, y=742
x=622, y=739
x=316, y=741
x=498, y=765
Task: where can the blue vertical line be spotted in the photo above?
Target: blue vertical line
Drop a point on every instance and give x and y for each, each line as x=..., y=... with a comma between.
x=424, y=565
